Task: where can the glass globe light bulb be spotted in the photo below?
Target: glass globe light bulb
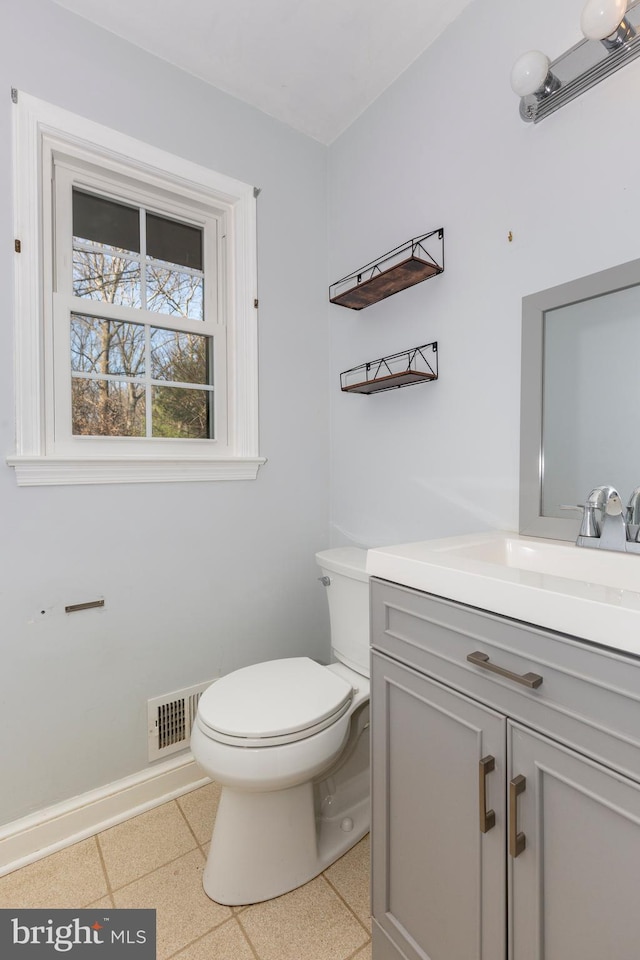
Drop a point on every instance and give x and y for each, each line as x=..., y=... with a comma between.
x=529, y=72
x=601, y=18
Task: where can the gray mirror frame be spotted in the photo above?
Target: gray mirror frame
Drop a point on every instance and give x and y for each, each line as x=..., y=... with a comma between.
x=532, y=522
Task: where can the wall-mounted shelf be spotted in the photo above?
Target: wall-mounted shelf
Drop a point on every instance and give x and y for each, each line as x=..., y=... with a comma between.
x=410, y=263
x=397, y=370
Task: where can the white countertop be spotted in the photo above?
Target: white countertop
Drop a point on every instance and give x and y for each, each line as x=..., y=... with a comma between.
x=591, y=594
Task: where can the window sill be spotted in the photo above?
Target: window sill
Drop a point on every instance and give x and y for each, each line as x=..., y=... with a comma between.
x=56, y=471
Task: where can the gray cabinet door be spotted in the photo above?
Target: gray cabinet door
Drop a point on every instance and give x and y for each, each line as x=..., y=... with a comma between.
x=574, y=887
x=439, y=888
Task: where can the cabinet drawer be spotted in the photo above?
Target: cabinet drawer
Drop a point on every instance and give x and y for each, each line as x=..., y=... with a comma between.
x=589, y=697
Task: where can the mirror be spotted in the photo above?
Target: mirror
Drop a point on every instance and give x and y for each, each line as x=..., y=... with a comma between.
x=580, y=399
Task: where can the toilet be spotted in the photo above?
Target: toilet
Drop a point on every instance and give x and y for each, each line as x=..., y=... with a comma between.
x=288, y=742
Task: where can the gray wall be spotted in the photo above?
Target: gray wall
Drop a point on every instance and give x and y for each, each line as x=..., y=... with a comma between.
x=444, y=146
x=198, y=578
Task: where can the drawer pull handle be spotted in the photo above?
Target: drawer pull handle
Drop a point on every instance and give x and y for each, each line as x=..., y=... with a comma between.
x=526, y=679
x=517, y=841
x=487, y=817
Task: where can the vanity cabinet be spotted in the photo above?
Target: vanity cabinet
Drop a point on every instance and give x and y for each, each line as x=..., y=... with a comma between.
x=505, y=817
x=438, y=882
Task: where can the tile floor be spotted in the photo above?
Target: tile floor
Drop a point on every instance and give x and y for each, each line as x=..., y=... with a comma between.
x=156, y=860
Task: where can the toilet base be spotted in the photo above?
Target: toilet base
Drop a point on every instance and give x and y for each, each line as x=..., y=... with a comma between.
x=265, y=844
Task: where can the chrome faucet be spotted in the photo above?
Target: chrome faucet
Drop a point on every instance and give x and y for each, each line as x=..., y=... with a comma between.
x=614, y=529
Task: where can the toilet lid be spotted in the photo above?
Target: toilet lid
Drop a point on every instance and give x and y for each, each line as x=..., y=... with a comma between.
x=274, y=699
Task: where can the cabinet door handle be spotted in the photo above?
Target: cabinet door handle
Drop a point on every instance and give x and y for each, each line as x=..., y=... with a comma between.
x=517, y=841
x=482, y=660
x=487, y=817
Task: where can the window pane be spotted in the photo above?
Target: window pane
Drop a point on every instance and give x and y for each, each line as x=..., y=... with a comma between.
x=104, y=221
x=181, y=357
x=179, y=412
x=179, y=294
x=112, y=279
x=174, y=242
x=108, y=408
x=106, y=346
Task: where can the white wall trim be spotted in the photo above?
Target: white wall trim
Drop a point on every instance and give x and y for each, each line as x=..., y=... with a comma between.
x=53, y=471
x=36, y=836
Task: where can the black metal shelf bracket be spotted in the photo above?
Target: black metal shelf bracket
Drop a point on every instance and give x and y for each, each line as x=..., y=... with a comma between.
x=402, y=369
x=412, y=262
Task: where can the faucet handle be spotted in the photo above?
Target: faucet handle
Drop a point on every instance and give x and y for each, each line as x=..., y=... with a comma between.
x=589, y=526
x=633, y=515
x=633, y=507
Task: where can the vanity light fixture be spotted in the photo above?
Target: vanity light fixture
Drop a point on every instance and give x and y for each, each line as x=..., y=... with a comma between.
x=611, y=40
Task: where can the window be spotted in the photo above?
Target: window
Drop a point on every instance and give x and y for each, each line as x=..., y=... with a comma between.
x=139, y=360
x=135, y=310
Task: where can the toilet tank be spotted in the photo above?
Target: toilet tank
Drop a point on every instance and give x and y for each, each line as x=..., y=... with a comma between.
x=348, y=596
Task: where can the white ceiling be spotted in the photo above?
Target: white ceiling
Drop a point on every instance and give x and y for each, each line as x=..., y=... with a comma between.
x=314, y=64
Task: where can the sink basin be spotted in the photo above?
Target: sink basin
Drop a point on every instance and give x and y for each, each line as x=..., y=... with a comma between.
x=605, y=567
x=590, y=594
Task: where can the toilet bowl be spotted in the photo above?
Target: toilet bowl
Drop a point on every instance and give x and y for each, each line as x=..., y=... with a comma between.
x=288, y=742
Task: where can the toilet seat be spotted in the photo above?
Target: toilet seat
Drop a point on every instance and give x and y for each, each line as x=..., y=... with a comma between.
x=272, y=703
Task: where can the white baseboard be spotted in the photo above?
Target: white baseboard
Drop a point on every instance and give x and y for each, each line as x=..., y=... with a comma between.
x=39, y=834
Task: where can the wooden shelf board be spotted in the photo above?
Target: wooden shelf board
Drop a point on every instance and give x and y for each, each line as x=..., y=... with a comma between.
x=401, y=379
x=405, y=274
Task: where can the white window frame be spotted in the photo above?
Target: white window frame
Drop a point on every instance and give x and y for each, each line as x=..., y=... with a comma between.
x=44, y=135
x=70, y=173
